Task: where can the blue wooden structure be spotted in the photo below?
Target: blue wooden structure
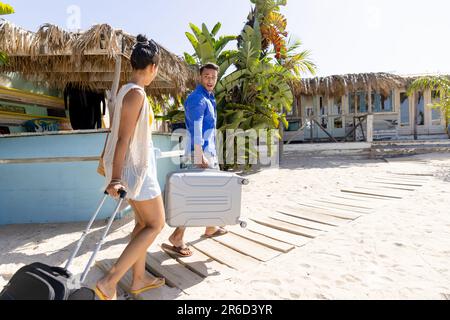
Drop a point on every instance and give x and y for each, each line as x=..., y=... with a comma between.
x=52, y=178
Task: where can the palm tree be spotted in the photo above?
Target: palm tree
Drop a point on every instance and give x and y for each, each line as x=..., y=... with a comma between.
x=440, y=84
x=4, y=10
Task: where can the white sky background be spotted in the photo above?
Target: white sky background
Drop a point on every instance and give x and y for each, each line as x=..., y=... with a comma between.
x=345, y=36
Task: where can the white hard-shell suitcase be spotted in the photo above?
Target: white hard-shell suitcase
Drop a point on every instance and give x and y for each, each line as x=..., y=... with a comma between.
x=203, y=198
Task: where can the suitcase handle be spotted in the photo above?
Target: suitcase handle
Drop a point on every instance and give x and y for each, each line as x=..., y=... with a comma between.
x=123, y=195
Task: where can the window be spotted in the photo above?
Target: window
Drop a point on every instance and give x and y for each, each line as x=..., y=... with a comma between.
x=337, y=106
x=382, y=103
x=362, y=102
x=436, y=114
x=359, y=102
x=338, y=123
x=351, y=103
x=420, y=109
x=404, y=109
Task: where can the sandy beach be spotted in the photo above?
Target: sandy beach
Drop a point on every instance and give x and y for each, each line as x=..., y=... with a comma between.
x=398, y=249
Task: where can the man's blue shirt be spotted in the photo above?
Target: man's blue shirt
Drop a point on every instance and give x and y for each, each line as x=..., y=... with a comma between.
x=201, y=120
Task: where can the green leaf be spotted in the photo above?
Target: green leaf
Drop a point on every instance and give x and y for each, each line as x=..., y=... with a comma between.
x=205, y=32
x=3, y=58
x=194, y=42
x=189, y=59
x=216, y=29
x=223, y=42
x=196, y=30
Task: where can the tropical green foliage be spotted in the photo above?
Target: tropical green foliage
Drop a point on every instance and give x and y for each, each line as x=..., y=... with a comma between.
x=4, y=9
x=209, y=49
x=272, y=24
x=441, y=84
x=255, y=93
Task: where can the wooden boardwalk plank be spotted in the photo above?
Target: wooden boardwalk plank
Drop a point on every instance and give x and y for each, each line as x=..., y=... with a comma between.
x=343, y=203
x=288, y=227
x=383, y=191
x=203, y=265
x=412, y=175
x=360, y=198
x=301, y=222
x=404, y=178
x=367, y=192
x=248, y=247
x=383, y=187
x=396, y=183
x=126, y=281
x=161, y=264
x=225, y=255
x=334, y=213
x=262, y=239
x=324, y=206
x=279, y=235
x=304, y=213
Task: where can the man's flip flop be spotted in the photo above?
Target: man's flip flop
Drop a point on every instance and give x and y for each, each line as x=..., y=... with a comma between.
x=158, y=284
x=218, y=233
x=178, y=251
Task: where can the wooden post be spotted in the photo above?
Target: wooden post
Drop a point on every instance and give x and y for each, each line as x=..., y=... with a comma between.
x=370, y=128
x=370, y=117
x=115, y=85
x=414, y=114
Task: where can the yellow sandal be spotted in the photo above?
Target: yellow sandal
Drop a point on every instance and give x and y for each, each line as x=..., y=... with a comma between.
x=103, y=296
x=158, y=284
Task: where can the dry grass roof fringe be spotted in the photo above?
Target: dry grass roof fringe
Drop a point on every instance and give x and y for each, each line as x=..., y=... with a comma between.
x=338, y=85
x=54, y=57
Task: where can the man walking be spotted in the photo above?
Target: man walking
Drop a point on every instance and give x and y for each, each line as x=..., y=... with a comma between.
x=201, y=123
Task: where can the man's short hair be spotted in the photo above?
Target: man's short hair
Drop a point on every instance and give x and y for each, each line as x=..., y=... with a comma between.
x=210, y=66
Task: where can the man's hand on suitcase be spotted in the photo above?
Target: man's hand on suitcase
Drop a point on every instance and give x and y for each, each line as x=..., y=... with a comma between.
x=114, y=187
x=200, y=160
x=203, y=164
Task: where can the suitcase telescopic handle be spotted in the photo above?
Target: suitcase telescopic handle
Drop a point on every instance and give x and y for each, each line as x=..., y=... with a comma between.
x=122, y=193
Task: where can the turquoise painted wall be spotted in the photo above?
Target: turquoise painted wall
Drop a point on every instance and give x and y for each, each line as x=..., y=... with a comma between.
x=58, y=192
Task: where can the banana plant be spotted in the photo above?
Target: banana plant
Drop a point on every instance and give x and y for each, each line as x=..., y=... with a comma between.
x=4, y=10
x=209, y=49
x=257, y=93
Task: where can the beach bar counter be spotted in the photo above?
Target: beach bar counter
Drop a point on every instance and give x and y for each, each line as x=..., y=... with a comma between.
x=52, y=177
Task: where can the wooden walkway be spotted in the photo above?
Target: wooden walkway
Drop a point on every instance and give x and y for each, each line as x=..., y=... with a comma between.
x=271, y=234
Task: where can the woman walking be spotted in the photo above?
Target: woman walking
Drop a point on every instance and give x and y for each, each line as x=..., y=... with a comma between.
x=130, y=165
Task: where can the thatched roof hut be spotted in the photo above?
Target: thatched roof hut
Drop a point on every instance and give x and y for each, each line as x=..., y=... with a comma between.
x=338, y=85
x=55, y=57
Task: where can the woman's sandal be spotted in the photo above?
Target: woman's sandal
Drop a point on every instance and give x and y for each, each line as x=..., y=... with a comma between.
x=160, y=282
x=103, y=296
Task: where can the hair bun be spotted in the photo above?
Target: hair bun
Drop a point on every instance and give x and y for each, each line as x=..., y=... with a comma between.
x=141, y=39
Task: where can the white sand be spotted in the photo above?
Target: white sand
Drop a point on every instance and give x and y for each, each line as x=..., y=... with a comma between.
x=401, y=251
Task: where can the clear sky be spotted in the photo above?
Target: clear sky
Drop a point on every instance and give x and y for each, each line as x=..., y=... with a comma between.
x=345, y=36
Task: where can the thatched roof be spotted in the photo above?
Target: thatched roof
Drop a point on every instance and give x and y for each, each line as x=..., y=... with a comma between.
x=55, y=57
x=339, y=85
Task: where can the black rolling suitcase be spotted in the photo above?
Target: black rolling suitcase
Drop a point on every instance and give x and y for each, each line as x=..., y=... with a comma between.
x=38, y=281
